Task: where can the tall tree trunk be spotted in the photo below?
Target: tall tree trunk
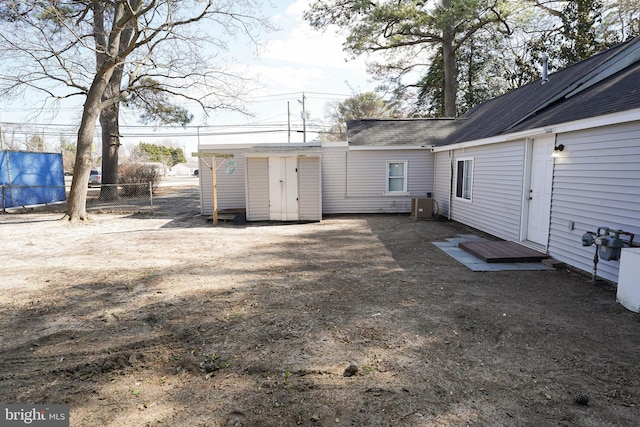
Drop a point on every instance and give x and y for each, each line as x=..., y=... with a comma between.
x=449, y=66
x=450, y=79
x=77, y=202
x=109, y=121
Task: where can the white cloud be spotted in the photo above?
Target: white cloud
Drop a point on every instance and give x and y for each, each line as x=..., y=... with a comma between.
x=307, y=46
x=290, y=78
x=304, y=46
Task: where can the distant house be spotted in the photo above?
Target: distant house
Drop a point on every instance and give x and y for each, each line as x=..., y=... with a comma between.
x=185, y=169
x=163, y=170
x=545, y=163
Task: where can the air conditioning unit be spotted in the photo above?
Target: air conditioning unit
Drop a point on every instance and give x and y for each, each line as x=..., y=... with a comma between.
x=422, y=208
x=628, y=293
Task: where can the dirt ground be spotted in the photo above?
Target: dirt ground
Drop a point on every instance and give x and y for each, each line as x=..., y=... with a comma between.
x=163, y=319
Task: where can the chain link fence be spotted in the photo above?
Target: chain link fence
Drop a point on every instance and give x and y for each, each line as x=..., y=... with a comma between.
x=121, y=198
x=106, y=198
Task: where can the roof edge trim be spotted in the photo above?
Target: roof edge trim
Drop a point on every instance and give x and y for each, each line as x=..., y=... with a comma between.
x=589, y=123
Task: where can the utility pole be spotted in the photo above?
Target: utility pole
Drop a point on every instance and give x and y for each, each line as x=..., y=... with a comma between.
x=304, y=119
x=288, y=123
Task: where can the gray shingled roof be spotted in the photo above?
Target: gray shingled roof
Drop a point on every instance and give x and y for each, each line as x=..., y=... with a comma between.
x=617, y=93
x=606, y=83
x=567, y=96
x=376, y=132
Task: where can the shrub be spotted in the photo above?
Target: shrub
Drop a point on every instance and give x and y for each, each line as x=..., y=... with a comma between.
x=136, y=173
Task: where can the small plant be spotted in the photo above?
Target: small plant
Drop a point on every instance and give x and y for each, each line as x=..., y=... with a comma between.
x=286, y=375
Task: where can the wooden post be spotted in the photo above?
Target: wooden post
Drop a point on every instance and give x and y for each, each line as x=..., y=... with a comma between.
x=214, y=190
x=213, y=166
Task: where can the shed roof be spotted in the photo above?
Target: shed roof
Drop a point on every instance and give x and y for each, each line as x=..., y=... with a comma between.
x=312, y=149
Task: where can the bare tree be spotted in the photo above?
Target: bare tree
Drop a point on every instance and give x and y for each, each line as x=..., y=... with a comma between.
x=67, y=48
x=35, y=143
x=367, y=105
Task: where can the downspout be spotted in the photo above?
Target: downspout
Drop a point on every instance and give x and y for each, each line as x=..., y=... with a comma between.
x=553, y=179
x=450, y=184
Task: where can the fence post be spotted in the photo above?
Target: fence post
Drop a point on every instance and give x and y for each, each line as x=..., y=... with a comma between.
x=151, y=195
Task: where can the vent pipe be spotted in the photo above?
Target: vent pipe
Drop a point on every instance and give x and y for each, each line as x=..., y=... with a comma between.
x=545, y=68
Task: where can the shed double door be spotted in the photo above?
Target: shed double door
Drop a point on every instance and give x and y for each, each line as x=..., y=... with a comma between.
x=283, y=189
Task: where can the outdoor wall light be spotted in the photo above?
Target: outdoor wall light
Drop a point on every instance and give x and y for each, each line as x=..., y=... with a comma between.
x=557, y=149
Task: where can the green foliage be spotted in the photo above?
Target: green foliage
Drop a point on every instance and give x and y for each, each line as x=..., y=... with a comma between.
x=68, y=150
x=496, y=45
x=153, y=100
x=160, y=153
x=477, y=80
x=566, y=31
x=411, y=33
x=579, y=20
x=66, y=145
x=430, y=101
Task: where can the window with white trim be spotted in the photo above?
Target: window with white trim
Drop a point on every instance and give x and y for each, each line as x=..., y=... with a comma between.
x=396, y=177
x=464, y=178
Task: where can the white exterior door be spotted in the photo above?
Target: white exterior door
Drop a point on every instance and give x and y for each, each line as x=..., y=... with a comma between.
x=539, y=197
x=283, y=188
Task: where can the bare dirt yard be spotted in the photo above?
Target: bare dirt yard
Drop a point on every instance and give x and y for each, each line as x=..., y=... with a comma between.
x=139, y=320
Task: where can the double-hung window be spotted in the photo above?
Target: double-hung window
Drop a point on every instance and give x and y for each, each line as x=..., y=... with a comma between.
x=397, y=177
x=464, y=178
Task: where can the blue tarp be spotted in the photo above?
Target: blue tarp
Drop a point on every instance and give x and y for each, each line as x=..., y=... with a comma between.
x=29, y=178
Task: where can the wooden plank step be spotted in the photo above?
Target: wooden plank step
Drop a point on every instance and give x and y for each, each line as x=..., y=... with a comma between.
x=228, y=214
x=502, y=251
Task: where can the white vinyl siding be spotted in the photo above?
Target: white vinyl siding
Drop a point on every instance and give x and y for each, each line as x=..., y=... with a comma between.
x=496, y=204
x=596, y=184
x=356, y=181
x=442, y=186
x=257, y=188
x=309, y=189
x=230, y=187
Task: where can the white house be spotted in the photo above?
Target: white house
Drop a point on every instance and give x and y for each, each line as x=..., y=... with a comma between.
x=543, y=164
x=382, y=166
x=540, y=165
